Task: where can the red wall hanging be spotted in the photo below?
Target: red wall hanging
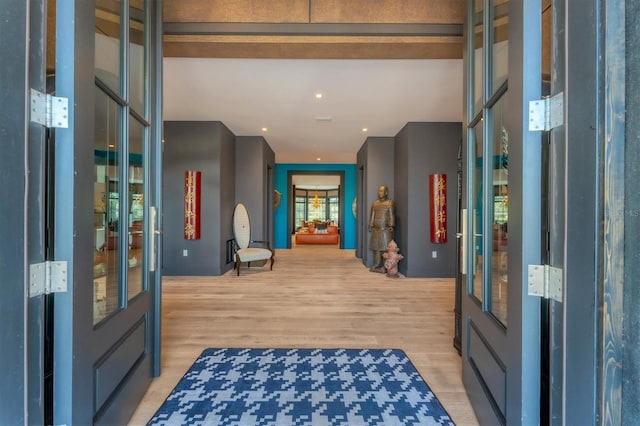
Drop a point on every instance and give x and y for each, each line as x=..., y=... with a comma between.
x=192, y=180
x=438, y=207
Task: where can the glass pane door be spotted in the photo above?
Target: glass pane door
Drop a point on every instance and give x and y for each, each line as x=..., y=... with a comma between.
x=106, y=338
x=500, y=212
x=135, y=220
x=477, y=271
x=476, y=65
x=108, y=43
x=106, y=208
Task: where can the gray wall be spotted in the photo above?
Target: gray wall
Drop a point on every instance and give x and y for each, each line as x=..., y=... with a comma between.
x=422, y=149
x=207, y=147
x=255, y=161
x=401, y=169
x=360, y=173
x=269, y=215
x=376, y=160
x=227, y=196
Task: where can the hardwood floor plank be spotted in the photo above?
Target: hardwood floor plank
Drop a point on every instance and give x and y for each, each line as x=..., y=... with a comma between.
x=315, y=297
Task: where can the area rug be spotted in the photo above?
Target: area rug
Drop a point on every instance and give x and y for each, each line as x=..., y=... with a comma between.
x=299, y=387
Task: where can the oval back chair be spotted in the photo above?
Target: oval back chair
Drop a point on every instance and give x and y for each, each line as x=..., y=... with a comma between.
x=244, y=248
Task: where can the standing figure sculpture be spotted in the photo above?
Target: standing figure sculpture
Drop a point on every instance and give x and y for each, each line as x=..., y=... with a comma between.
x=381, y=224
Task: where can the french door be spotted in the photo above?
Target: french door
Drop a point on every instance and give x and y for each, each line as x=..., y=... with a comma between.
x=105, y=193
x=502, y=197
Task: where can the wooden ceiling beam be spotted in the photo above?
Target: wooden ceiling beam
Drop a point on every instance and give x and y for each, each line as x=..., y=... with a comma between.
x=314, y=29
x=269, y=47
x=217, y=28
x=315, y=11
x=313, y=41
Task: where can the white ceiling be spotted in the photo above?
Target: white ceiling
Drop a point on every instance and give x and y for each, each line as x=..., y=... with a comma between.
x=279, y=94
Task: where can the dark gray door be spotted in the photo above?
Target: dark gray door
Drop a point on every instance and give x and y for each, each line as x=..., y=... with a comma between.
x=106, y=192
x=502, y=198
x=461, y=225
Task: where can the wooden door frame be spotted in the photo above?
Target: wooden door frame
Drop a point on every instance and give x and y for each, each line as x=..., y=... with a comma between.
x=22, y=226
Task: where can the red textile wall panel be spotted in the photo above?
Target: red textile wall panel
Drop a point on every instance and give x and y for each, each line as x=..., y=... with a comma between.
x=438, y=207
x=192, y=180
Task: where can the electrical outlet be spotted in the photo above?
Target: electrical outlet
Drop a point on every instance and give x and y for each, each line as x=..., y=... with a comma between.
x=434, y=254
x=185, y=252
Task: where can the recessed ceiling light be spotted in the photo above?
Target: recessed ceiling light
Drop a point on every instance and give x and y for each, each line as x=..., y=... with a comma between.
x=318, y=159
x=318, y=95
x=264, y=129
x=364, y=129
x=113, y=146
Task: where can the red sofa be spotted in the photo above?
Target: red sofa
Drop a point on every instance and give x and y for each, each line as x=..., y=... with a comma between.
x=331, y=236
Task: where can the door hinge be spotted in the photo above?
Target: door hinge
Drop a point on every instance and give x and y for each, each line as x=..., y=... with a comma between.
x=47, y=277
x=49, y=111
x=547, y=113
x=545, y=281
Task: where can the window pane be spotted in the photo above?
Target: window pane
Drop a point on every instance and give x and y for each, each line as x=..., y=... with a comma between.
x=334, y=210
x=106, y=265
x=500, y=177
x=500, y=48
x=137, y=55
x=476, y=227
x=108, y=43
x=546, y=46
x=300, y=214
x=136, y=208
x=478, y=52
x=317, y=205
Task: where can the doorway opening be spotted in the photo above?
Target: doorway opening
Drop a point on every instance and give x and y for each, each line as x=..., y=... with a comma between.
x=316, y=207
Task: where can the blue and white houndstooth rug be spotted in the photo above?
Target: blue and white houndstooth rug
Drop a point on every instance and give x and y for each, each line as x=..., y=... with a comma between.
x=297, y=387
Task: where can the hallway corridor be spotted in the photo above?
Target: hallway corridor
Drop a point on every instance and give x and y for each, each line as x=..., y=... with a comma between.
x=315, y=297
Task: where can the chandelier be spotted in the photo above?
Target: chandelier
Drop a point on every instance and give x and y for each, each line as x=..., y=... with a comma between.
x=316, y=202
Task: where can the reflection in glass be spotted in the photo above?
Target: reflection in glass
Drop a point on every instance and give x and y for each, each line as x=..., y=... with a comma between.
x=500, y=208
x=108, y=43
x=136, y=55
x=136, y=208
x=106, y=223
x=478, y=52
x=546, y=45
x=500, y=38
x=476, y=226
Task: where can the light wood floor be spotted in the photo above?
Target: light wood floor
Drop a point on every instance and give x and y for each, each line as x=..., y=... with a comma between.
x=315, y=297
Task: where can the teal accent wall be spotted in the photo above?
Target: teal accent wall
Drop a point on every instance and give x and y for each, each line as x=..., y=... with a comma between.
x=280, y=216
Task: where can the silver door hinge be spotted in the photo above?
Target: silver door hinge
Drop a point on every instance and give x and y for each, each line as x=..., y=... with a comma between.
x=545, y=281
x=47, y=277
x=547, y=113
x=48, y=110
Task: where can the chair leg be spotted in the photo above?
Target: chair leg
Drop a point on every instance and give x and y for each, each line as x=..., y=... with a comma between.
x=238, y=266
x=272, y=260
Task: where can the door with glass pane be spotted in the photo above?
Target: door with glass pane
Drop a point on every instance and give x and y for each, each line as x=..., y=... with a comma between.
x=106, y=192
x=500, y=323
